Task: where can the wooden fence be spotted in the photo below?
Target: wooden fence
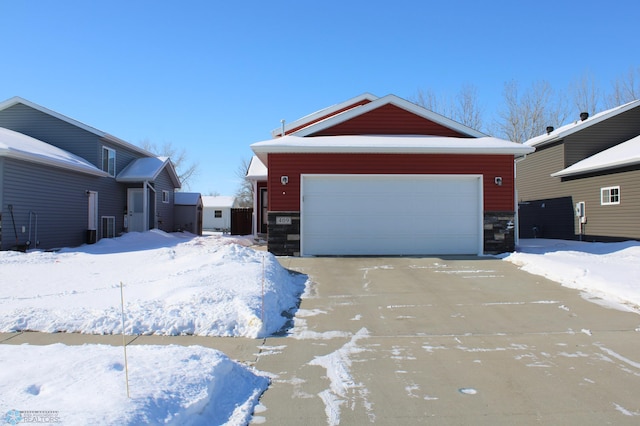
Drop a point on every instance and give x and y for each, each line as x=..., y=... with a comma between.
x=241, y=221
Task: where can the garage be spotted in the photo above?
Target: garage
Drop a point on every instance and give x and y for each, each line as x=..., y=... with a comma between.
x=362, y=214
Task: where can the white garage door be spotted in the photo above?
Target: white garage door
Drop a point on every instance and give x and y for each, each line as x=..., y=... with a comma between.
x=391, y=214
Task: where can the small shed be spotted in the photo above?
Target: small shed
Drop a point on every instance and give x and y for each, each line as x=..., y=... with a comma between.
x=217, y=212
x=188, y=212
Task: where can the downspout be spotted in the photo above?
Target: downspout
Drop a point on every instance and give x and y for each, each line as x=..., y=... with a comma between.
x=145, y=206
x=254, y=214
x=515, y=199
x=31, y=215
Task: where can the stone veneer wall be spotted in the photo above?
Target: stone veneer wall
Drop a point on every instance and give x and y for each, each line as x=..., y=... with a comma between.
x=283, y=233
x=499, y=232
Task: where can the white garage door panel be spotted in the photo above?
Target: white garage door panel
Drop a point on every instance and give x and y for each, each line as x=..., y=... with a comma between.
x=390, y=214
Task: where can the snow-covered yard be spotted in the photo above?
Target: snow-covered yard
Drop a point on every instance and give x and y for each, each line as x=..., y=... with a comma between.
x=181, y=284
x=605, y=272
x=172, y=284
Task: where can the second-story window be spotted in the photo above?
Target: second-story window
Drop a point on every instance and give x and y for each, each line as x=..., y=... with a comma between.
x=109, y=160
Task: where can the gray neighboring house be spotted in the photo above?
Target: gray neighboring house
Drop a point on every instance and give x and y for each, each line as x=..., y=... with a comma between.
x=583, y=180
x=63, y=183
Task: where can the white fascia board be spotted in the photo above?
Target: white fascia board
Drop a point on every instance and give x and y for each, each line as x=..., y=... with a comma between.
x=389, y=99
x=22, y=147
x=257, y=170
x=582, y=170
x=402, y=144
x=322, y=113
x=35, y=158
x=621, y=155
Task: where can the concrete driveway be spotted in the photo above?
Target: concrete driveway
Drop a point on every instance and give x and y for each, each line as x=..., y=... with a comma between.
x=448, y=341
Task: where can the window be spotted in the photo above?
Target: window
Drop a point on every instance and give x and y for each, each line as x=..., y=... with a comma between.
x=610, y=195
x=108, y=227
x=165, y=196
x=217, y=213
x=109, y=160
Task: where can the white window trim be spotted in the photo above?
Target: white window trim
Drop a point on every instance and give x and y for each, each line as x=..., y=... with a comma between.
x=605, y=195
x=165, y=196
x=109, y=150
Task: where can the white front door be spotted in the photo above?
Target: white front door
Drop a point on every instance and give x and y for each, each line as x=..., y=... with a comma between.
x=135, y=203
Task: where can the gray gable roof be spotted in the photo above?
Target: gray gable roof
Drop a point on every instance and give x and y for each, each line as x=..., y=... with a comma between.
x=148, y=169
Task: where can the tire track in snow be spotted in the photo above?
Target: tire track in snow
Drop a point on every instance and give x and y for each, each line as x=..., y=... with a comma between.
x=342, y=386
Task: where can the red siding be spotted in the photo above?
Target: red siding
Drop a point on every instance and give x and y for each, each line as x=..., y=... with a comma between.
x=389, y=120
x=287, y=197
x=357, y=104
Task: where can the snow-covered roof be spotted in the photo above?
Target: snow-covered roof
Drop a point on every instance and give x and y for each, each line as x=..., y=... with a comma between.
x=186, y=198
x=573, y=127
x=218, y=201
x=624, y=154
x=400, y=144
x=20, y=146
x=377, y=103
x=18, y=100
x=147, y=169
x=257, y=169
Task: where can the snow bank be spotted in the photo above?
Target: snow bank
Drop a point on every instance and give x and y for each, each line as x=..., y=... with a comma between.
x=80, y=385
x=172, y=283
x=609, y=271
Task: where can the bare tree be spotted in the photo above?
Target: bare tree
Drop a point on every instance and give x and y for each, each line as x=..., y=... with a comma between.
x=440, y=104
x=586, y=94
x=528, y=114
x=463, y=108
x=626, y=88
x=244, y=194
x=186, y=171
x=468, y=111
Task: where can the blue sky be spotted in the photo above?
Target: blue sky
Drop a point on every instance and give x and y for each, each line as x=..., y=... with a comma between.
x=215, y=77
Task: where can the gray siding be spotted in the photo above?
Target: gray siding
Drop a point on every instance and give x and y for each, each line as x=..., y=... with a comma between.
x=601, y=136
x=46, y=128
x=59, y=199
x=58, y=196
x=164, y=211
x=56, y=132
x=533, y=174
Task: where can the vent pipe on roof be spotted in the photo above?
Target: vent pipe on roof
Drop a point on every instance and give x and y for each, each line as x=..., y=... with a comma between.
x=584, y=116
x=549, y=129
x=282, y=122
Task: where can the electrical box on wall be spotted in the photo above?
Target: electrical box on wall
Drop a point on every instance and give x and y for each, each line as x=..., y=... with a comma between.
x=580, y=211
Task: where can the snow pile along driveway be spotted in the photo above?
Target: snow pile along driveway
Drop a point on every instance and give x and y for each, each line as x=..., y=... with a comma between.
x=81, y=385
x=609, y=272
x=173, y=284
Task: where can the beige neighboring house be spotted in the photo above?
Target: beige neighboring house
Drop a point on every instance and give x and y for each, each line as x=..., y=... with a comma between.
x=583, y=180
x=217, y=212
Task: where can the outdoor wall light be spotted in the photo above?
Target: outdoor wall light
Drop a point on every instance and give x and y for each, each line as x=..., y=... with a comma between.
x=284, y=179
x=498, y=180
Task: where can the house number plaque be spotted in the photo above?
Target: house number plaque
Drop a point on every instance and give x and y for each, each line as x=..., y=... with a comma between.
x=283, y=220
